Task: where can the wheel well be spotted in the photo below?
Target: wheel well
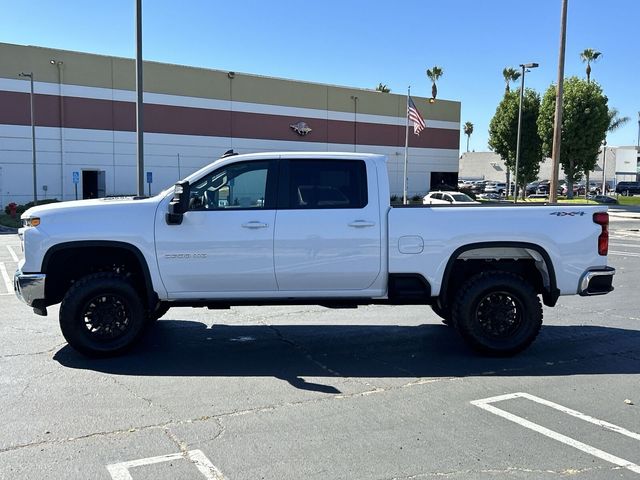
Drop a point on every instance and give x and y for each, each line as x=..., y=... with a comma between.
x=528, y=261
x=67, y=263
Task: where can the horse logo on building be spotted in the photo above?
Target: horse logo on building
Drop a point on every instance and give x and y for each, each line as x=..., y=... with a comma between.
x=301, y=128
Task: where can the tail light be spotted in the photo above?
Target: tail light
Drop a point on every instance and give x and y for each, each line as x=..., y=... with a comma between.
x=602, y=219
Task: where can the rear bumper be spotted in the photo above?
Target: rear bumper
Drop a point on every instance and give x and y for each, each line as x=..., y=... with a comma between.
x=29, y=288
x=596, y=281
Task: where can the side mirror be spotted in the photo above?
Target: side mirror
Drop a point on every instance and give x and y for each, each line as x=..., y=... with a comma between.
x=179, y=204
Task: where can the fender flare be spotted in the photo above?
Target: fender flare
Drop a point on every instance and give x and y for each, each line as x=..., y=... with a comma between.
x=152, y=296
x=550, y=294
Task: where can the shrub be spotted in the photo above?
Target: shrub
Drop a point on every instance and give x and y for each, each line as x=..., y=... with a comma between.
x=20, y=209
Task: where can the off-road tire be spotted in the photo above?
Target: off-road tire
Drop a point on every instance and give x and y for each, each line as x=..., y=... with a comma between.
x=497, y=313
x=158, y=313
x=102, y=315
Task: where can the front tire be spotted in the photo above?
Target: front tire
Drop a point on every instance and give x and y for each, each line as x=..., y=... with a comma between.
x=102, y=315
x=497, y=313
x=443, y=312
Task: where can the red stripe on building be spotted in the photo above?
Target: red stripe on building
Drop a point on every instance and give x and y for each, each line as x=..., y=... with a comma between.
x=96, y=114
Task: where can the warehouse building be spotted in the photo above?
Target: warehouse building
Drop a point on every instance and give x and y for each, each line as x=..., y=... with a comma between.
x=85, y=124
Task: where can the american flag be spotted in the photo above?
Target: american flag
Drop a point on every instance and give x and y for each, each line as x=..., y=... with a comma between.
x=415, y=117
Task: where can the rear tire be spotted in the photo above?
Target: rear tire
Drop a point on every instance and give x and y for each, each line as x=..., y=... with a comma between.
x=497, y=313
x=102, y=315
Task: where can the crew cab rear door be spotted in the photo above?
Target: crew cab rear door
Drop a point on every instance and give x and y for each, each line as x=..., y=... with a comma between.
x=328, y=232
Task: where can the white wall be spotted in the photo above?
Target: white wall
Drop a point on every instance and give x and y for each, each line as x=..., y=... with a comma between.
x=115, y=154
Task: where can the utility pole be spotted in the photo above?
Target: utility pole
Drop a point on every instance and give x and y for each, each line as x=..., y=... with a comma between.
x=557, y=123
x=139, y=99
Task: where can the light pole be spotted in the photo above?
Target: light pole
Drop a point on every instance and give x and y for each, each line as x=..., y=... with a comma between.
x=524, y=67
x=33, y=136
x=604, y=167
x=59, y=64
x=355, y=121
x=139, y=99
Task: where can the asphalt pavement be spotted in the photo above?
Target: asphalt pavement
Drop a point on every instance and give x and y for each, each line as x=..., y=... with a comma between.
x=307, y=392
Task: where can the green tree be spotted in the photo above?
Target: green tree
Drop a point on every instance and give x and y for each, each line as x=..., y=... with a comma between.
x=468, y=130
x=503, y=135
x=587, y=56
x=382, y=87
x=434, y=75
x=585, y=120
x=510, y=75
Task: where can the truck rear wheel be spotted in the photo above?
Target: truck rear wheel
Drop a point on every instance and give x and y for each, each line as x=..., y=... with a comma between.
x=497, y=313
x=102, y=315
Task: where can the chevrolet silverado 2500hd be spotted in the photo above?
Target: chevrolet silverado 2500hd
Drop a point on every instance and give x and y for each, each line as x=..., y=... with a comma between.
x=305, y=228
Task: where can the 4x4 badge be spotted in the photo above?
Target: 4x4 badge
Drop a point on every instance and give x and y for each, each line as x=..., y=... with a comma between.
x=567, y=214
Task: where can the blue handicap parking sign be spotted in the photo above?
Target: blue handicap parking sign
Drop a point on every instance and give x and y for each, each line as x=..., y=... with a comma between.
x=76, y=177
x=149, y=177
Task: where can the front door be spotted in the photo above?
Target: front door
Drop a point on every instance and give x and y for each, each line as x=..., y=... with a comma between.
x=225, y=242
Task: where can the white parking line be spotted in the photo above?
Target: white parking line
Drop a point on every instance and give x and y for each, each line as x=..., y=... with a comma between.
x=485, y=404
x=5, y=276
x=120, y=471
x=13, y=254
x=624, y=254
x=624, y=245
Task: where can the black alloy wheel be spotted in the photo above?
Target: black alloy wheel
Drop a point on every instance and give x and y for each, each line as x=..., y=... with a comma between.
x=102, y=315
x=497, y=313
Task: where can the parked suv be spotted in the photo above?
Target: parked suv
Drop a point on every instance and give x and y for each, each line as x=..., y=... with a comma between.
x=628, y=188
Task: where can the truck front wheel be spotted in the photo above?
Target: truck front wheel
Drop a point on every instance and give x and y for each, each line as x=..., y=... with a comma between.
x=102, y=315
x=497, y=313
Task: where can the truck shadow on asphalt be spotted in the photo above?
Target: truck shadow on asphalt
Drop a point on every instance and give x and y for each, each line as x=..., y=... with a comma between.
x=291, y=352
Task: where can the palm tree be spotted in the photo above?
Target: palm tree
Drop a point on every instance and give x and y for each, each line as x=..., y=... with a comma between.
x=589, y=55
x=434, y=75
x=510, y=75
x=615, y=122
x=468, y=130
x=382, y=87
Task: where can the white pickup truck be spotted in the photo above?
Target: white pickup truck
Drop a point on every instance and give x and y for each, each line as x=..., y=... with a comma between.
x=305, y=228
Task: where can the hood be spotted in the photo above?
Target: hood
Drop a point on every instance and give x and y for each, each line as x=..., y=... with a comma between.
x=100, y=204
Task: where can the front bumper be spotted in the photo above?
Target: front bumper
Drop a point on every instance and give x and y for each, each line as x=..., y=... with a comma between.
x=29, y=288
x=596, y=281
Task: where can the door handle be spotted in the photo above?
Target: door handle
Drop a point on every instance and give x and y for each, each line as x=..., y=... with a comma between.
x=362, y=224
x=255, y=224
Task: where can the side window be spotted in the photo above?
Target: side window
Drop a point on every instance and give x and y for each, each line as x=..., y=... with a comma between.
x=236, y=186
x=437, y=196
x=315, y=184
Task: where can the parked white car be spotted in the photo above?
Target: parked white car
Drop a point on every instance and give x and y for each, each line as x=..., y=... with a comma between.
x=447, y=198
x=305, y=228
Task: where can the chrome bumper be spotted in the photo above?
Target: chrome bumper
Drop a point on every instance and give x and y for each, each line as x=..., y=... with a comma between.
x=29, y=287
x=596, y=281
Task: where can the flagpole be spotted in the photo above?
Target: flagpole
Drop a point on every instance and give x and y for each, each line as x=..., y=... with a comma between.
x=406, y=150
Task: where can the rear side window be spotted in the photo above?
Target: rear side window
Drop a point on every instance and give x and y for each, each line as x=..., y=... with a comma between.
x=326, y=184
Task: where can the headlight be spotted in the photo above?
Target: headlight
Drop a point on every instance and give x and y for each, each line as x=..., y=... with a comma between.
x=31, y=222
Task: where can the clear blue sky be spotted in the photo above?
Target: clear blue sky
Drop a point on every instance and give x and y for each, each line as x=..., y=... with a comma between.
x=359, y=43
